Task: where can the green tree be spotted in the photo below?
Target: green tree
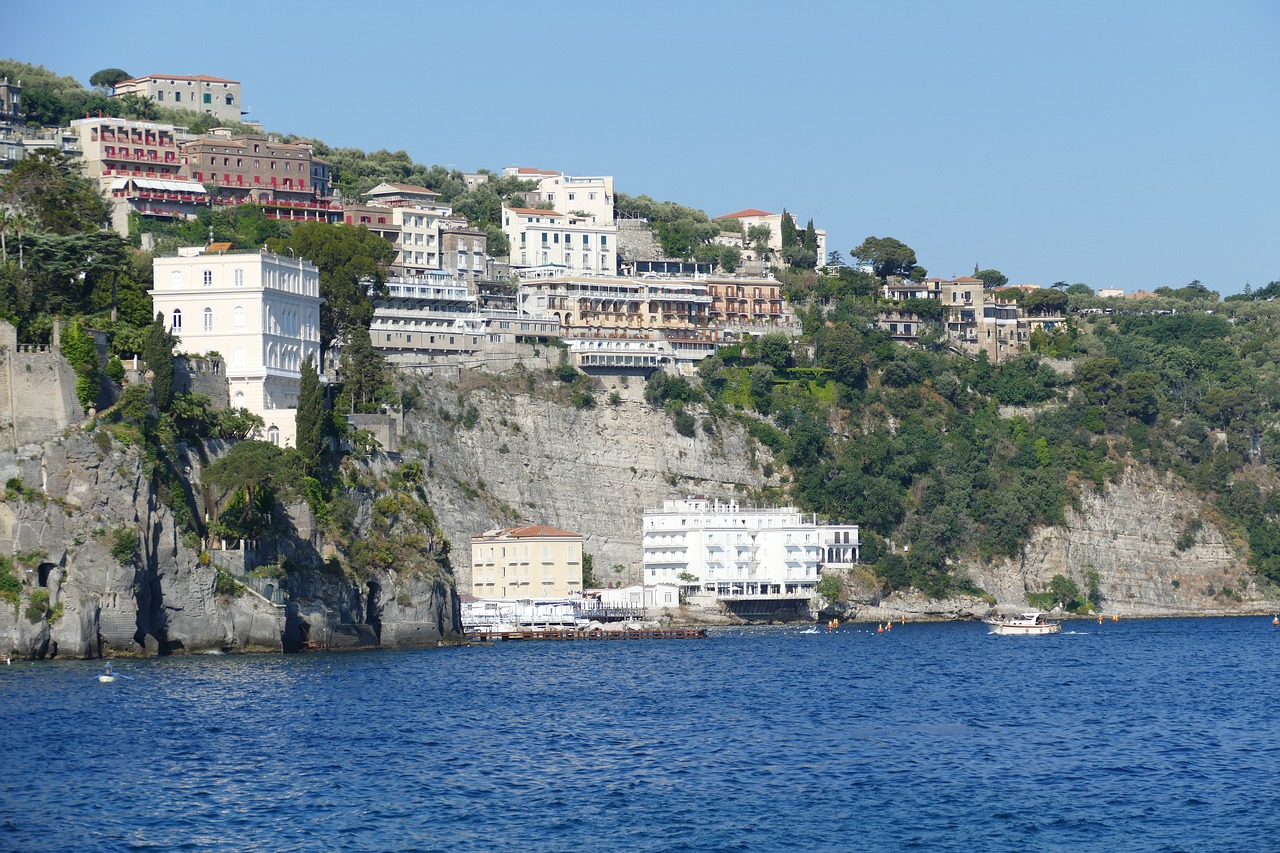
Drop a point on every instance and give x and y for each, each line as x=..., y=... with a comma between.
x=158, y=353
x=108, y=78
x=991, y=278
x=886, y=256
x=311, y=416
x=49, y=188
x=366, y=381
x=758, y=237
x=353, y=271
x=775, y=350
x=1065, y=591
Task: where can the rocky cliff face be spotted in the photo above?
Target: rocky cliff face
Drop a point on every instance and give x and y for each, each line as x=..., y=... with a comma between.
x=67, y=508
x=1124, y=539
x=505, y=450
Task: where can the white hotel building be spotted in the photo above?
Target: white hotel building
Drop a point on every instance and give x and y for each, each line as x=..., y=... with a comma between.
x=260, y=312
x=730, y=551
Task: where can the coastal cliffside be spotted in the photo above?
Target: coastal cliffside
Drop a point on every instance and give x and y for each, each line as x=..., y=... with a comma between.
x=1125, y=540
x=99, y=566
x=530, y=456
x=500, y=450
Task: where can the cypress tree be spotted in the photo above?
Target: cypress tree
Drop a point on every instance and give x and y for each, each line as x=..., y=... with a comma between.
x=157, y=351
x=310, y=418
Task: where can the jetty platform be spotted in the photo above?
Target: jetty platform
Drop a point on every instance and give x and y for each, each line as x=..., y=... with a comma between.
x=569, y=634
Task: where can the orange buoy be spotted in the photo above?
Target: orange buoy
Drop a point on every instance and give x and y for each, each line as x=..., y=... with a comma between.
x=879, y=629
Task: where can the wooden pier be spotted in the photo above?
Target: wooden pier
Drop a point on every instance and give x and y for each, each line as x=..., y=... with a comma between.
x=567, y=634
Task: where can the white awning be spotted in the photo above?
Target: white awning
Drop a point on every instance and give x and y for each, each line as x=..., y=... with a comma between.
x=191, y=187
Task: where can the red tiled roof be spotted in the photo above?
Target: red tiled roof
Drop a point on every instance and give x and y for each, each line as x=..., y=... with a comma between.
x=533, y=211
x=203, y=78
x=529, y=170
x=745, y=214
x=531, y=531
x=411, y=188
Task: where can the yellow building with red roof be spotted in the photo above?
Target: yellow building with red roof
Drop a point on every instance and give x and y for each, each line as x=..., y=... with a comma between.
x=532, y=561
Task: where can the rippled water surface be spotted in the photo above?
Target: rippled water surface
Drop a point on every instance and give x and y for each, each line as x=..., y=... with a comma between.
x=1141, y=735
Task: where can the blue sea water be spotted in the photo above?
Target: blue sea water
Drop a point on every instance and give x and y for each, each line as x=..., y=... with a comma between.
x=1160, y=735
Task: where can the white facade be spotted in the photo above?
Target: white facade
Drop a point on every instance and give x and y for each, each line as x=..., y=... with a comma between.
x=752, y=217
x=546, y=237
x=260, y=312
x=721, y=549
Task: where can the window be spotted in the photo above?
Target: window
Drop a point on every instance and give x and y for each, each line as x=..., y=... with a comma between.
x=177, y=96
x=273, y=434
x=237, y=319
x=230, y=100
x=546, y=553
x=207, y=278
x=604, y=240
x=177, y=319
x=238, y=278
x=239, y=402
x=586, y=240
x=208, y=319
x=175, y=279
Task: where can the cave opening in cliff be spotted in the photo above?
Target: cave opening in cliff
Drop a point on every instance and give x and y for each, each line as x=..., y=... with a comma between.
x=373, y=609
x=42, y=573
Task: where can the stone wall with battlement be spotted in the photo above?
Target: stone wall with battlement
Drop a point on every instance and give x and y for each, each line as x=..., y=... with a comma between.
x=37, y=391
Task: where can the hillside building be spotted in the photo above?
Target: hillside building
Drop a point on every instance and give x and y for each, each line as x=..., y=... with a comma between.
x=751, y=217
x=541, y=238
x=260, y=311
x=590, y=198
x=286, y=178
x=214, y=95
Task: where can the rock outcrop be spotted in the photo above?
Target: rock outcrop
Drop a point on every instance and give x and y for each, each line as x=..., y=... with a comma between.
x=1123, y=540
x=70, y=516
x=498, y=453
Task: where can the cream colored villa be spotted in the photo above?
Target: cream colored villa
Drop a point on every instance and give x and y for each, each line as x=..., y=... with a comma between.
x=260, y=312
x=534, y=561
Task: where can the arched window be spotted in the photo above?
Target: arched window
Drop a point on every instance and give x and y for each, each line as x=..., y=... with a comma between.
x=237, y=319
x=177, y=319
x=208, y=319
x=239, y=403
x=273, y=434
x=175, y=279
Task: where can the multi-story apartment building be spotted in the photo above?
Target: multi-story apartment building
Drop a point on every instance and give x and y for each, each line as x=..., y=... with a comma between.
x=462, y=250
x=588, y=197
x=260, y=311
x=201, y=94
x=534, y=561
x=746, y=304
x=549, y=238
x=119, y=147
x=723, y=550
x=138, y=163
x=751, y=216
x=286, y=178
x=975, y=319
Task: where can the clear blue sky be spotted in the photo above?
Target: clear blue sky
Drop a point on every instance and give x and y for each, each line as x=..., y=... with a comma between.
x=1120, y=144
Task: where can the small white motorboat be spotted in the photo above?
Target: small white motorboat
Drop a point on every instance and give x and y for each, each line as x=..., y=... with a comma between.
x=106, y=679
x=1031, y=624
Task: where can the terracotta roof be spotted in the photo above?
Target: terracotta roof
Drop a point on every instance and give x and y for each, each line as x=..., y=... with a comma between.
x=219, y=247
x=534, y=211
x=528, y=170
x=531, y=531
x=201, y=77
x=411, y=188
x=745, y=214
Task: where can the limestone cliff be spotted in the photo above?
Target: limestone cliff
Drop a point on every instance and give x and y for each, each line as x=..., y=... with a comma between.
x=67, y=515
x=1123, y=538
x=501, y=450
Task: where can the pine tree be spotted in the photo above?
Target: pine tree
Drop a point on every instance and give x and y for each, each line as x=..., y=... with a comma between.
x=811, y=238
